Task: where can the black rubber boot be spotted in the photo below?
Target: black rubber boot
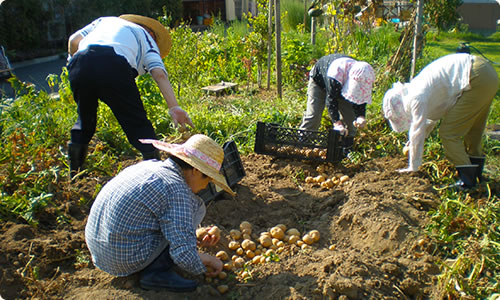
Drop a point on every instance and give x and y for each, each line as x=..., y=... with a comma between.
x=467, y=177
x=151, y=155
x=348, y=144
x=479, y=161
x=76, y=154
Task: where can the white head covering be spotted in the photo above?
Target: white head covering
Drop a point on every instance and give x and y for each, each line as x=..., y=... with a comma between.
x=394, y=108
x=358, y=87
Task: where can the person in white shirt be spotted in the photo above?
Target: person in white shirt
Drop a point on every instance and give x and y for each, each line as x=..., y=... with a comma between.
x=457, y=89
x=104, y=59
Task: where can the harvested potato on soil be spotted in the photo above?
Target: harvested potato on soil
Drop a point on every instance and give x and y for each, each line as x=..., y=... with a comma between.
x=307, y=239
x=315, y=235
x=223, y=288
x=344, y=178
x=235, y=234
x=265, y=241
x=222, y=275
x=222, y=255
x=293, y=231
x=248, y=245
x=277, y=233
x=233, y=245
x=245, y=224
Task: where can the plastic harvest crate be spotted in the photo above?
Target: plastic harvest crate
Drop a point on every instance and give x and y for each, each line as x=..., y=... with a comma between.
x=279, y=141
x=232, y=169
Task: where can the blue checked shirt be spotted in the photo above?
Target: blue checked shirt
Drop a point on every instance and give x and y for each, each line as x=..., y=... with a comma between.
x=138, y=213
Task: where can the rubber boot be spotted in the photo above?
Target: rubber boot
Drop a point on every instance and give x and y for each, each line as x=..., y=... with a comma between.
x=467, y=176
x=479, y=161
x=77, y=154
x=151, y=155
x=348, y=144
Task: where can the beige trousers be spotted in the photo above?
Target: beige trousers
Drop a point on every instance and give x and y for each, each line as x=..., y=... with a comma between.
x=462, y=127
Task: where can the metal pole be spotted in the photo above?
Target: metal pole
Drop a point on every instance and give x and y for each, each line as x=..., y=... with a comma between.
x=269, y=37
x=278, y=45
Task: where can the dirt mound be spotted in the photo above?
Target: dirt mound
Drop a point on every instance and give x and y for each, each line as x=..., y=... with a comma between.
x=371, y=243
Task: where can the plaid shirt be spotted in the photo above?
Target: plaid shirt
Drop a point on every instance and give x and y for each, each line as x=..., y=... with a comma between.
x=138, y=213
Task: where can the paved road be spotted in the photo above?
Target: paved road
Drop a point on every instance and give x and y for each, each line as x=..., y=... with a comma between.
x=35, y=71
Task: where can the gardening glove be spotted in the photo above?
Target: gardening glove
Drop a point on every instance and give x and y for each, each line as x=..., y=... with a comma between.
x=180, y=116
x=338, y=126
x=360, y=122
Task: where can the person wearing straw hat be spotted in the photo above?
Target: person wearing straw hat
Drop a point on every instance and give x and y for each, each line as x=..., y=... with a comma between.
x=457, y=89
x=104, y=59
x=344, y=85
x=145, y=219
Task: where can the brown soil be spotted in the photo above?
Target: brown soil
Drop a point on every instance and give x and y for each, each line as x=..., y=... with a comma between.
x=375, y=220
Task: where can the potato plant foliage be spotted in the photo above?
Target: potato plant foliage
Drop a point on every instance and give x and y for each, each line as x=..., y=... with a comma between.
x=34, y=129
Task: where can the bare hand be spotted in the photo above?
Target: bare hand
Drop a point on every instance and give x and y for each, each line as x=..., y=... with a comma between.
x=339, y=126
x=213, y=264
x=180, y=116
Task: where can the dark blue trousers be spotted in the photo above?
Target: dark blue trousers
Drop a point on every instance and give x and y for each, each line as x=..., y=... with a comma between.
x=99, y=73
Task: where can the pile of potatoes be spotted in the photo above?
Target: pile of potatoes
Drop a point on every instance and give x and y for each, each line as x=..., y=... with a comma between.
x=304, y=151
x=246, y=248
x=324, y=180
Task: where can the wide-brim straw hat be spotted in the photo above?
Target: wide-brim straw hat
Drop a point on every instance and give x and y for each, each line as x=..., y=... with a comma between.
x=163, y=39
x=202, y=153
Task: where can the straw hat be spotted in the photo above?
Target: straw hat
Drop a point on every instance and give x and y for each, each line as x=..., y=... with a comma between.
x=163, y=39
x=202, y=153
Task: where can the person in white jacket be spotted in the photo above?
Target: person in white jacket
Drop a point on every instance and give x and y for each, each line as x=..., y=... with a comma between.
x=457, y=89
x=104, y=58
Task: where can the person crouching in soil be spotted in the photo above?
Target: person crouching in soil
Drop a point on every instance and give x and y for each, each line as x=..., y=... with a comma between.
x=344, y=85
x=457, y=89
x=145, y=219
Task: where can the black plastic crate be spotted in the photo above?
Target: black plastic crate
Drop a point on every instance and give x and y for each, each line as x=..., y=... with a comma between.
x=232, y=169
x=272, y=139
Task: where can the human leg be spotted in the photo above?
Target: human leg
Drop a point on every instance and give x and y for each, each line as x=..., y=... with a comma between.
x=467, y=120
x=315, y=106
x=160, y=275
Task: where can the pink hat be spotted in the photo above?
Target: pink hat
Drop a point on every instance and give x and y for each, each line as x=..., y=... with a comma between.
x=359, y=83
x=394, y=108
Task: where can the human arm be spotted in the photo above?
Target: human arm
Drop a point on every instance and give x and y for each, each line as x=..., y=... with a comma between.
x=417, y=135
x=179, y=116
x=359, y=112
x=73, y=43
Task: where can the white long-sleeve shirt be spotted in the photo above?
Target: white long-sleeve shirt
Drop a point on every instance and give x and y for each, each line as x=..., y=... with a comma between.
x=127, y=39
x=430, y=95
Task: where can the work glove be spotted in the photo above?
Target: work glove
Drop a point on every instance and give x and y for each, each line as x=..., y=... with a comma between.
x=338, y=126
x=180, y=116
x=360, y=122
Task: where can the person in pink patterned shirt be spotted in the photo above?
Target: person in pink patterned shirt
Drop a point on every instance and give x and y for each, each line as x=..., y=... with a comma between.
x=344, y=86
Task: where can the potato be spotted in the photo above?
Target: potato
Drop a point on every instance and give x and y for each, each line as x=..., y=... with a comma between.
x=307, y=239
x=235, y=234
x=223, y=288
x=320, y=168
x=275, y=242
x=309, y=179
x=200, y=233
x=215, y=231
x=258, y=251
x=222, y=255
x=300, y=243
x=282, y=226
x=239, y=262
x=248, y=245
x=233, y=245
x=293, y=231
x=406, y=150
x=280, y=244
x=305, y=246
x=250, y=254
x=245, y=224
x=263, y=259
x=269, y=252
x=293, y=239
x=265, y=241
x=256, y=259
x=222, y=275
x=331, y=247
x=246, y=237
x=344, y=178
x=228, y=266
x=247, y=231
x=277, y=232
x=315, y=235
x=240, y=251
x=234, y=257
x=266, y=233
x=319, y=179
